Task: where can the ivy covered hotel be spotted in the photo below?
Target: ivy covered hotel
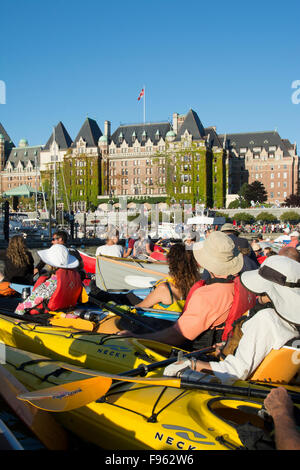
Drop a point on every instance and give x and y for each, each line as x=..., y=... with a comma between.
x=182, y=161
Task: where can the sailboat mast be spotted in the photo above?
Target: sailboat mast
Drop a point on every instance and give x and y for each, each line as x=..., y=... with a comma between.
x=54, y=194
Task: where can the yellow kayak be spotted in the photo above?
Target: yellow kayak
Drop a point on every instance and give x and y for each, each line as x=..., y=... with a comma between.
x=135, y=417
x=99, y=351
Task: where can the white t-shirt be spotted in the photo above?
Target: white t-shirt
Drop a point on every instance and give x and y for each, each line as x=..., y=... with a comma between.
x=283, y=239
x=110, y=250
x=262, y=333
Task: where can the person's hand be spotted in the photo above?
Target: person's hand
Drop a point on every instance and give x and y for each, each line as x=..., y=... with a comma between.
x=126, y=333
x=219, y=347
x=278, y=403
x=175, y=369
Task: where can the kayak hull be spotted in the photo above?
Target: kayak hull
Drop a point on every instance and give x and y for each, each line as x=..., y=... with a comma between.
x=98, y=351
x=134, y=417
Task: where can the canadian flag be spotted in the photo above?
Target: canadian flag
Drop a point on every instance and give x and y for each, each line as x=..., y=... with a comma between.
x=141, y=94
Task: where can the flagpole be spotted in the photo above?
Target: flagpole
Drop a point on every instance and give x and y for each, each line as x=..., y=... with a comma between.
x=144, y=104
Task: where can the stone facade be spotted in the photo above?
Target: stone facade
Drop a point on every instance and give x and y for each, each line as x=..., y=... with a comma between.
x=265, y=157
x=181, y=160
x=21, y=167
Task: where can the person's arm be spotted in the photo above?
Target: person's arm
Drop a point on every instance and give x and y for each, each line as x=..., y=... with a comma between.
x=127, y=252
x=280, y=407
x=159, y=294
x=169, y=336
x=148, y=248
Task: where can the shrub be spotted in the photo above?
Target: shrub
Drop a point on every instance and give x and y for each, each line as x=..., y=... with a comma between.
x=290, y=216
x=244, y=217
x=266, y=217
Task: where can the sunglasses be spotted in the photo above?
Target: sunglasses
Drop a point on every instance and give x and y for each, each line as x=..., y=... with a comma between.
x=55, y=238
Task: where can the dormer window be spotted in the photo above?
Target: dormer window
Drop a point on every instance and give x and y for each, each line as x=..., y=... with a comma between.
x=144, y=136
x=121, y=137
x=157, y=135
x=133, y=138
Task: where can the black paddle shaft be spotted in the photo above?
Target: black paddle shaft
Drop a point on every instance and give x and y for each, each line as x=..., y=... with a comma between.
x=143, y=369
x=192, y=380
x=120, y=313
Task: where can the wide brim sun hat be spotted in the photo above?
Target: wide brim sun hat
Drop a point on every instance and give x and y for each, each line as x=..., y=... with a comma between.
x=58, y=256
x=229, y=227
x=295, y=234
x=279, y=278
x=218, y=255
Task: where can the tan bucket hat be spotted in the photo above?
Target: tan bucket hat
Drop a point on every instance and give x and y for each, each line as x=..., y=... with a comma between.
x=219, y=255
x=229, y=227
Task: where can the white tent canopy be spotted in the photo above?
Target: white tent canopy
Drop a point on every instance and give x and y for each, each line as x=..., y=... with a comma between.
x=203, y=220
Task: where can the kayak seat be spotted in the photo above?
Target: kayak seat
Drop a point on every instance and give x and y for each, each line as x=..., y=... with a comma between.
x=279, y=366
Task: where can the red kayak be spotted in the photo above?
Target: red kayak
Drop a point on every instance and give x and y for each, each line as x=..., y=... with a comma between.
x=89, y=263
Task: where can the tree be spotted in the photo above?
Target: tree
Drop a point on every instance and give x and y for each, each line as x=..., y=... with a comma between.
x=290, y=216
x=255, y=192
x=239, y=203
x=244, y=217
x=293, y=200
x=266, y=217
x=223, y=214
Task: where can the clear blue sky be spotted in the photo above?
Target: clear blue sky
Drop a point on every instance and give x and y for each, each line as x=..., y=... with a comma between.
x=232, y=62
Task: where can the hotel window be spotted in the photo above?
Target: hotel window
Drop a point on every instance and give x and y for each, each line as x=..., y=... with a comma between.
x=272, y=195
x=285, y=175
x=272, y=176
x=285, y=184
x=278, y=184
x=278, y=174
x=284, y=194
x=272, y=185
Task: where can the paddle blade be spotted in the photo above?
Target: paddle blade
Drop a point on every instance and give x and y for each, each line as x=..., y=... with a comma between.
x=68, y=396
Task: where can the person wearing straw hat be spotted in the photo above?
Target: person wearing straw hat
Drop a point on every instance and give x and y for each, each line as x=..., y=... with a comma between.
x=207, y=306
x=277, y=281
x=241, y=243
x=59, y=289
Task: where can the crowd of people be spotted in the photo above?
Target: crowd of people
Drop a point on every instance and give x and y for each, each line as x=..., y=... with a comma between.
x=211, y=283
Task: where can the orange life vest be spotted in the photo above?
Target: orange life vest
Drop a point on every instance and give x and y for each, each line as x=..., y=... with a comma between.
x=66, y=294
x=243, y=300
x=7, y=291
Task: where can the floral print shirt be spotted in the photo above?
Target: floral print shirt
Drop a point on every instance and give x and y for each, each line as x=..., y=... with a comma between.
x=43, y=292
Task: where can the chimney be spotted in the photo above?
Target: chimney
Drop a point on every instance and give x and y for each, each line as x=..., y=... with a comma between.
x=107, y=128
x=175, y=122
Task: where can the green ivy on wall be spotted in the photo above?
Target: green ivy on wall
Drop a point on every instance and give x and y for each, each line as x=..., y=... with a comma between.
x=200, y=174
